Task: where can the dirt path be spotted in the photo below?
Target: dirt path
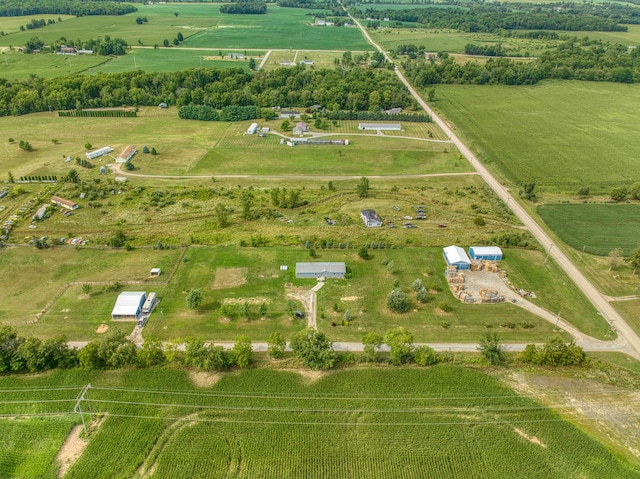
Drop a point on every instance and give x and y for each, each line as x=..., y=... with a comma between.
x=264, y=60
x=71, y=450
x=629, y=341
x=308, y=299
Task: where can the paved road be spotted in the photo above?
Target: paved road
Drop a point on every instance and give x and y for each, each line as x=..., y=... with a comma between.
x=629, y=341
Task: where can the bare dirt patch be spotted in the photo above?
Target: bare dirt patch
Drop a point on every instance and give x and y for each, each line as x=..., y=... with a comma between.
x=83, y=296
x=203, y=379
x=256, y=300
x=609, y=412
x=71, y=450
x=310, y=377
x=103, y=328
x=351, y=298
x=65, y=310
x=531, y=439
x=230, y=277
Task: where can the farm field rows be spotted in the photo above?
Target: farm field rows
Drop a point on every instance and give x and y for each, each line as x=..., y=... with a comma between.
x=560, y=135
x=596, y=228
x=19, y=66
x=440, y=422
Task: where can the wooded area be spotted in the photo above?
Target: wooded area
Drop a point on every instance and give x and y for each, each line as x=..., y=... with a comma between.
x=16, y=8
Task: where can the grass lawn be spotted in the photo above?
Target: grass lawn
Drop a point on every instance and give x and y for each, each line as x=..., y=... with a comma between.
x=166, y=59
x=231, y=275
x=363, y=156
x=19, y=66
x=598, y=228
x=439, y=422
x=559, y=134
x=55, y=267
x=620, y=359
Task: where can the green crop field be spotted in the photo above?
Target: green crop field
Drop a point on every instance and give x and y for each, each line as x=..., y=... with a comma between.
x=598, y=228
x=30, y=445
x=203, y=25
x=440, y=422
x=166, y=59
x=12, y=24
x=558, y=134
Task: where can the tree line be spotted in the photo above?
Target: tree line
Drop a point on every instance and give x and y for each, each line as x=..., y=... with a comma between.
x=572, y=60
x=312, y=348
x=350, y=89
x=485, y=17
x=245, y=8
x=79, y=8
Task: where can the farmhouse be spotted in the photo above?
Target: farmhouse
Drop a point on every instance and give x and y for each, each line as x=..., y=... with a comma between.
x=68, y=204
x=300, y=128
x=96, y=153
x=455, y=256
x=320, y=270
x=128, y=306
x=252, y=129
x=370, y=218
x=490, y=253
x=126, y=154
x=380, y=126
x=287, y=114
x=65, y=50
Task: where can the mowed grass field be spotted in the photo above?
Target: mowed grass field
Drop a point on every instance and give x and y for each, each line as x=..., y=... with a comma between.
x=167, y=59
x=188, y=147
x=630, y=311
x=560, y=135
x=20, y=66
x=439, y=422
x=232, y=276
x=598, y=228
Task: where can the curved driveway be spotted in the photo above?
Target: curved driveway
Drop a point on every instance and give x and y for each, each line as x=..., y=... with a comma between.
x=629, y=341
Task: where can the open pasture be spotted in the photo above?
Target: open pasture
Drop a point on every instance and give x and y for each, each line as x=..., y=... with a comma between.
x=20, y=66
x=278, y=28
x=598, y=228
x=439, y=422
x=167, y=59
x=12, y=24
x=560, y=135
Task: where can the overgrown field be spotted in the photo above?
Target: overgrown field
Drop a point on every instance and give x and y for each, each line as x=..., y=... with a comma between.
x=559, y=134
x=598, y=228
x=441, y=422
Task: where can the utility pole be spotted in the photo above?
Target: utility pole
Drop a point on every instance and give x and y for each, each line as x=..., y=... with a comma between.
x=555, y=329
x=548, y=252
x=78, y=407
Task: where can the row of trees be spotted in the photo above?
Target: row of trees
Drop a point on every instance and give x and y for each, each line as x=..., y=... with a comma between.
x=571, y=60
x=251, y=8
x=18, y=8
x=312, y=347
x=352, y=89
x=227, y=113
x=490, y=17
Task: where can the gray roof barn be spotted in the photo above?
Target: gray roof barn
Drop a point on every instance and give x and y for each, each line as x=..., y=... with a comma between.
x=320, y=270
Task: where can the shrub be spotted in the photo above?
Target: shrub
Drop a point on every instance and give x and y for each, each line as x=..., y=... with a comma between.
x=425, y=356
x=443, y=306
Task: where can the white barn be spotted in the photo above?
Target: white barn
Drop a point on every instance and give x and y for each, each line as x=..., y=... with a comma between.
x=252, y=129
x=455, y=256
x=128, y=306
x=97, y=153
x=320, y=270
x=380, y=126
